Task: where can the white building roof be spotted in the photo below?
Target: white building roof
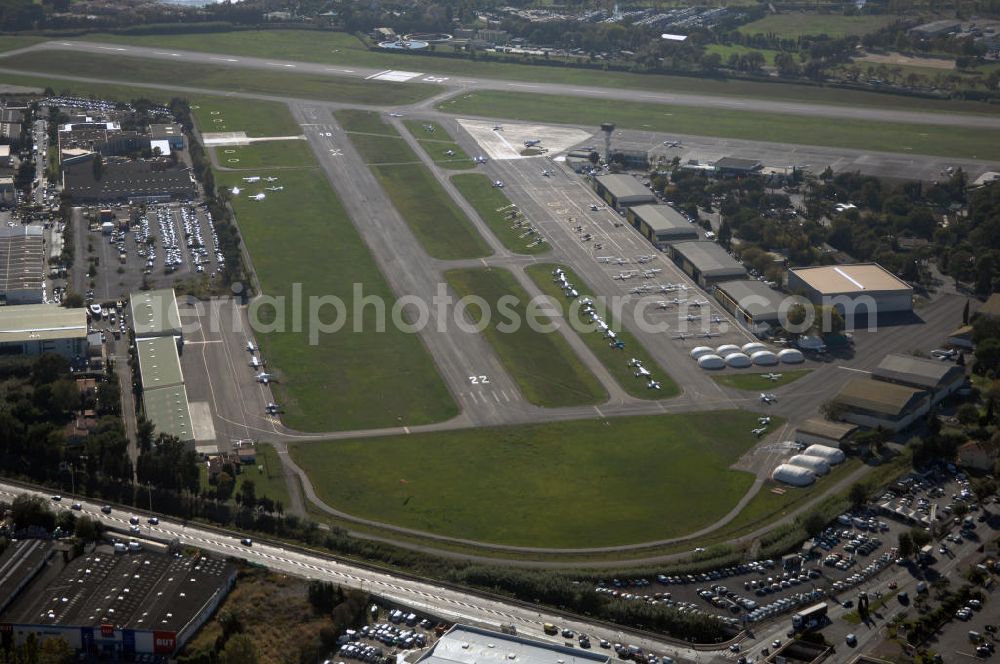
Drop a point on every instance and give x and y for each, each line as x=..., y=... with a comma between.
x=41, y=322
x=470, y=645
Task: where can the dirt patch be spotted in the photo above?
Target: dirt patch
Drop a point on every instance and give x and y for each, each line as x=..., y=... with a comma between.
x=900, y=59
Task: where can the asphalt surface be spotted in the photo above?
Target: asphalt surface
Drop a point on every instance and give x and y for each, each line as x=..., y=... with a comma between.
x=481, y=83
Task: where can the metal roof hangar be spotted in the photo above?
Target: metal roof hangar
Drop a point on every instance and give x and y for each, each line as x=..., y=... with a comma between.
x=661, y=224
x=622, y=191
x=858, y=289
x=938, y=378
x=22, y=264
x=874, y=403
x=33, y=329
x=752, y=303
x=706, y=262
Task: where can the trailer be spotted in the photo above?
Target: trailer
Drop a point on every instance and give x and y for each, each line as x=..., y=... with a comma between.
x=811, y=617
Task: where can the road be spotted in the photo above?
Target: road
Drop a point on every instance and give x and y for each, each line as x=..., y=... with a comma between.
x=425, y=596
x=482, y=83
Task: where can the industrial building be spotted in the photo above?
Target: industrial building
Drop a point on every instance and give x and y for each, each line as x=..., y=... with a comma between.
x=940, y=379
x=125, y=180
x=861, y=289
x=33, y=329
x=155, y=314
x=873, y=403
x=706, y=262
x=817, y=431
x=172, y=133
x=622, y=191
x=164, y=397
x=463, y=644
x=661, y=224
x=22, y=264
x=754, y=304
x=736, y=167
x=109, y=605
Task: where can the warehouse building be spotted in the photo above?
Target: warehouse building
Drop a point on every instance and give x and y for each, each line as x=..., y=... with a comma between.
x=124, y=180
x=164, y=397
x=155, y=314
x=817, y=431
x=754, y=304
x=661, y=224
x=622, y=191
x=33, y=329
x=706, y=262
x=463, y=644
x=108, y=605
x=940, y=379
x=172, y=133
x=734, y=167
x=861, y=289
x=22, y=264
x=874, y=403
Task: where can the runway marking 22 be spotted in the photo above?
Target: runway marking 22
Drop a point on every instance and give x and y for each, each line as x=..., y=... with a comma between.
x=479, y=380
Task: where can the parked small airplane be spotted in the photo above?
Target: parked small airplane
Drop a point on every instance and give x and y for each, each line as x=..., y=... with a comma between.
x=772, y=376
x=593, y=207
x=480, y=159
x=617, y=344
x=768, y=397
x=395, y=115
x=709, y=335
x=254, y=362
x=530, y=143
x=682, y=335
x=272, y=408
x=252, y=179
x=635, y=362
x=498, y=184
x=641, y=290
x=280, y=187
x=236, y=191
x=258, y=197
x=622, y=276
x=690, y=318
x=264, y=377
x=649, y=274
x=270, y=178
x=653, y=385
x=759, y=431
x=644, y=259
x=250, y=347
x=449, y=153
x=642, y=372
x=764, y=420
x=546, y=172
x=672, y=144
x=944, y=353
x=697, y=302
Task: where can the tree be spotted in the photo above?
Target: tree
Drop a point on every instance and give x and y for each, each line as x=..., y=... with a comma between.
x=857, y=495
x=87, y=529
x=247, y=495
x=920, y=537
x=988, y=356
x=239, y=650
x=224, y=486
x=967, y=414
x=725, y=233
x=55, y=651
x=906, y=548
x=28, y=511
x=814, y=524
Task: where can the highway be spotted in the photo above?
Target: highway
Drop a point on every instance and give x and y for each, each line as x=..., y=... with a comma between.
x=443, y=602
x=467, y=83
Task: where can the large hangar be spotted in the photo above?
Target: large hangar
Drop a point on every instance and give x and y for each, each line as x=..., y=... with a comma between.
x=858, y=289
x=752, y=303
x=622, y=191
x=661, y=224
x=706, y=262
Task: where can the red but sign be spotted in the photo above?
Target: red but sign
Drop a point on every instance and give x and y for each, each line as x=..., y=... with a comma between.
x=164, y=642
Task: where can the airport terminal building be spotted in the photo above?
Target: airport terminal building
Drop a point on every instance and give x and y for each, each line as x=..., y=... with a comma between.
x=861, y=288
x=661, y=224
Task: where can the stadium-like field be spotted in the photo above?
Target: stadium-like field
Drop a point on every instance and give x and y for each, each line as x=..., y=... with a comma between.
x=575, y=484
x=543, y=365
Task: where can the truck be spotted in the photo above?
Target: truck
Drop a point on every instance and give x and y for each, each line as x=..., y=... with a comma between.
x=926, y=555
x=809, y=618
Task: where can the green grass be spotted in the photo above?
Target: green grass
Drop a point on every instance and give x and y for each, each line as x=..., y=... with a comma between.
x=214, y=77
x=13, y=42
x=365, y=122
x=755, y=382
x=343, y=49
x=264, y=154
x=435, y=219
x=726, y=50
x=437, y=142
x=349, y=379
x=616, y=361
x=768, y=127
x=792, y=26
x=573, y=484
x=76, y=88
x=479, y=191
x=543, y=365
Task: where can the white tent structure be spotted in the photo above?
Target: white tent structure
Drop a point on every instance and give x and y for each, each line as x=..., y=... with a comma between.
x=794, y=475
x=726, y=349
x=816, y=464
x=791, y=356
x=738, y=360
x=832, y=455
x=698, y=351
x=764, y=358
x=753, y=347
x=711, y=362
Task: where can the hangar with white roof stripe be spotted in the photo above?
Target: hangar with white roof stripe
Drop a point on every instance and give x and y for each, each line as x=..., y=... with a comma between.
x=861, y=288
